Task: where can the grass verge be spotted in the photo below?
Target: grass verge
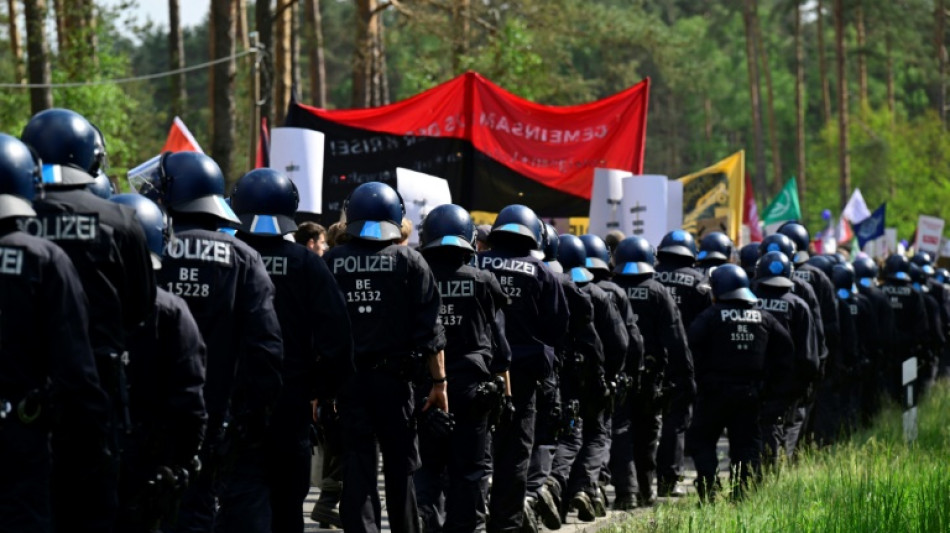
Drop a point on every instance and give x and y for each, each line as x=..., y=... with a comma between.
x=872, y=483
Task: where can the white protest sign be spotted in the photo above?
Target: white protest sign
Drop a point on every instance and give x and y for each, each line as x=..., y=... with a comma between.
x=674, y=205
x=929, y=232
x=605, y=197
x=298, y=153
x=644, y=207
x=420, y=193
x=890, y=242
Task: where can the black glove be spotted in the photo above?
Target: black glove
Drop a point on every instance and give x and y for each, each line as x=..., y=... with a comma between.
x=507, y=416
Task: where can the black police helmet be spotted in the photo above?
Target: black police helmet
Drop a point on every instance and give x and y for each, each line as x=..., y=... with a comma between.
x=729, y=282
x=897, y=268
x=774, y=270
x=66, y=142
x=748, y=256
x=265, y=200
x=101, y=187
x=678, y=242
x=842, y=277
x=449, y=225
x=865, y=270
x=715, y=248
x=923, y=260
x=551, y=243
x=374, y=212
x=153, y=222
x=191, y=182
x=598, y=256
x=517, y=223
x=573, y=257
x=823, y=263
x=918, y=277
x=777, y=242
x=799, y=235
x=19, y=176
x=633, y=256
x=942, y=275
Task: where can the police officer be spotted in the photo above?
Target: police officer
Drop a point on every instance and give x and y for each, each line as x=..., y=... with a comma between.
x=667, y=366
x=715, y=249
x=942, y=276
x=393, y=301
x=743, y=357
x=472, y=303
x=690, y=291
x=910, y=321
x=934, y=339
x=318, y=345
x=866, y=274
x=537, y=316
x=107, y=246
x=166, y=375
x=862, y=312
x=940, y=293
x=225, y=284
x=45, y=354
x=580, y=454
x=748, y=257
x=773, y=287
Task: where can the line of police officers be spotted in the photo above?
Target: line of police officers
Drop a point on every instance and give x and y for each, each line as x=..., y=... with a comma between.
x=163, y=354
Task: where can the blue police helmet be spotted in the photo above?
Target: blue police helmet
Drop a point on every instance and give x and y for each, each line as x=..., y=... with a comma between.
x=842, y=277
x=924, y=261
x=942, y=275
x=730, y=282
x=519, y=224
x=918, y=277
x=19, y=176
x=68, y=145
x=897, y=268
x=573, y=257
x=191, y=182
x=265, y=200
x=598, y=256
x=777, y=242
x=715, y=248
x=799, y=235
x=865, y=270
x=449, y=225
x=748, y=257
x=101, y=186
x=633, y=256
x=550, y=248
x=678, y=242
x=374, y=212
x=774, y=270
x=823, y=263
x=153, y=222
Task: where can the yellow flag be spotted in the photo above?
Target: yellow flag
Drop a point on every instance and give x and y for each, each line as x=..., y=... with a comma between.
x=713, y=197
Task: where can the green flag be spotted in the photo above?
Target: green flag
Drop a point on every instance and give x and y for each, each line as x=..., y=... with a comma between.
x=784, y=207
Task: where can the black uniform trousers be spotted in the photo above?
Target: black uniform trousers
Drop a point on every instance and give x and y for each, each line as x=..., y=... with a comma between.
x=449, y=482
x=25, y=485
x=735, y=409
x=669, y=456
x=289, y=455
x=545, y=434
x=580, y=453
x=511, y=450
x=378, y=407
x=636, y=434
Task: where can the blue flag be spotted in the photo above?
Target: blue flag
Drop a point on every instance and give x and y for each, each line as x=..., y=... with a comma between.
x=872, y=227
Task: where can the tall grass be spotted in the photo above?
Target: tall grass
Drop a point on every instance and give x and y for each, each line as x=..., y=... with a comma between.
x=874, y=482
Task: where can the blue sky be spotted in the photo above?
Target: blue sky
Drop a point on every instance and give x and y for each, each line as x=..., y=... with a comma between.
x=192, y=11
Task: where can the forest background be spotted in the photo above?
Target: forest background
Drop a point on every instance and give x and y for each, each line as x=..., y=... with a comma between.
x=839, y=93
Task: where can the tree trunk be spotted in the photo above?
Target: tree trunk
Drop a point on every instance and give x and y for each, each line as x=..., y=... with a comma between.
x=770, y=102
x=940, y=14
x=862, y=56
x=265, y=34
x=461, y=14
x=16, y=45
x=800, y=105
x=295, y=49
x=59, y=14
x=752, y=64
x=823, y=66
x=222, y=85
x=369, y=59
x=318, y=64
x=844, y=156
x=35, y=13
x=380, y=79
x=176, y=58
x=240, y=24
x=283, y=77
x=891, y=104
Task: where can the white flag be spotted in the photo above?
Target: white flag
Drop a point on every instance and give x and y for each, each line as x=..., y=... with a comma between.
x=856, y=209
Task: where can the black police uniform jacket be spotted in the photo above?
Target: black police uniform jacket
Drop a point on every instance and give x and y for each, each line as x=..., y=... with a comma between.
x=611, y=328
x=226, y=287
x=582, y=339
x=882, y=324
x=392, y=299
x=688, y=288
x=910, y=321
x=537, y=314
x=934, y=338
x=793, y=313
x=667, y=356
x=107, y=245
x=167, y=360
x=804, y=290
x=739, y=348
x=472, y=303
x=314, y=324
x=634, y=352
x=44, y=339
x=845, y=365
x=825, y=292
